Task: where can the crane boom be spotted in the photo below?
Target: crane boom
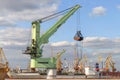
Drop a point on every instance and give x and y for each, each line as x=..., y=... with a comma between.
x=53, y=29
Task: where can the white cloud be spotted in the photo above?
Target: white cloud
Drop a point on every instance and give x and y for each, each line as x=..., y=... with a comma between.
x=62, y=43
x=13, y=11
x=118, y=6
x=98, y=11
x=14, y=37
x=101, y=43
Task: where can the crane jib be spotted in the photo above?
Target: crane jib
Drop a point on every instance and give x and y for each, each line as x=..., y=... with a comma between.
x=58, y=24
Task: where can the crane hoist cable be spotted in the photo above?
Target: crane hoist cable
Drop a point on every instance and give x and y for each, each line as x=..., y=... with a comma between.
x=79, y=46
x=29, y=37
x=78, y=36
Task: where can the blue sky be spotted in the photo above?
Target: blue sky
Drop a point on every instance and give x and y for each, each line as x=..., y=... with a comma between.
x=98, y=22
x=101, y=25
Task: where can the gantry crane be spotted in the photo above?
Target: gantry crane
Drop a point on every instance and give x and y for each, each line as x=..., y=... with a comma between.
x=109, y=63
x=35, y=50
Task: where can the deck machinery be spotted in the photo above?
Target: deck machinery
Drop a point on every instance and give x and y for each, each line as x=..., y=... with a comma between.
x=36, y=48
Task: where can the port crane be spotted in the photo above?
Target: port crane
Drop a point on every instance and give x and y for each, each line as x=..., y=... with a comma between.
x=35, y=50
x=82, y=64
x=3, y=65
x=109, y=63
x=59, y=63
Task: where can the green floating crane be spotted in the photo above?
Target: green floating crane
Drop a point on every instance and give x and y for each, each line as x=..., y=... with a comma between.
x=36, y=48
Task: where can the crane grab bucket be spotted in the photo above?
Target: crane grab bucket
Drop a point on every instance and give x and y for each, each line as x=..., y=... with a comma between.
x=78, y=36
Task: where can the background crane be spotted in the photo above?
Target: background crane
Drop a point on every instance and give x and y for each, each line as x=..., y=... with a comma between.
x=109, y=63
x=3, y=65
x=82, y=64
x=59, y=62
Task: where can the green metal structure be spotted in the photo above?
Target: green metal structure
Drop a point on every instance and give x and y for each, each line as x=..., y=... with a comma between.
x=35, y=50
